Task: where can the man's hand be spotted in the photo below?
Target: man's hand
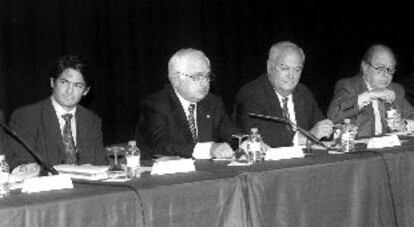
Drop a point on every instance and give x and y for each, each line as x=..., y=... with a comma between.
x=27, y=170
x=383, y=94
x=221, y=150
x=322, y=129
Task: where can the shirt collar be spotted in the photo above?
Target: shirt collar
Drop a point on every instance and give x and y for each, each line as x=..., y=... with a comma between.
x=185, y=104
x=59, y=109
x=280, y=97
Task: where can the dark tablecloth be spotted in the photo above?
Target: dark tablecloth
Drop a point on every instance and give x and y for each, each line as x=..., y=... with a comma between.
x=369, y=188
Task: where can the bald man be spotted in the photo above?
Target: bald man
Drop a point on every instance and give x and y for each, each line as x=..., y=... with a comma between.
x=184, y=119
x=366, y=97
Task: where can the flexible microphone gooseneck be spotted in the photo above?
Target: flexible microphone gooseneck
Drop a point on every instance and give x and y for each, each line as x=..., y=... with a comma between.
x=293, y=125
x=39, y=159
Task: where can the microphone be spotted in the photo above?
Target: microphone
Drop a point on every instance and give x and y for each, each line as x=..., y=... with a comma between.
x=39, y=159
x=289, y=122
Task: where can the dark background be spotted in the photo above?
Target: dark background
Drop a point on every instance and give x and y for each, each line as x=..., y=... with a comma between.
x=128, y=44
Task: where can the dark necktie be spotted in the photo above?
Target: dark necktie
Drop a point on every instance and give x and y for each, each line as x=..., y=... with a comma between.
x=192, y=123
x=68, y=142
x=286, y=115
x=382, y=112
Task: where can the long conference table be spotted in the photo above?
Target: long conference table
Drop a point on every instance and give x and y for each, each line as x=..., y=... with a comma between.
x=364, y=188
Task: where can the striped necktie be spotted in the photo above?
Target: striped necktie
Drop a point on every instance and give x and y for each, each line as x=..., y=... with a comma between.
x=286, y=115
x=192, y=123
x=68, y=141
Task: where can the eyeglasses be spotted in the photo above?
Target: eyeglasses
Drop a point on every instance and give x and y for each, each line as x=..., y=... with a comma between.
x=382, y=69
x=196, y=77
x=285, y=68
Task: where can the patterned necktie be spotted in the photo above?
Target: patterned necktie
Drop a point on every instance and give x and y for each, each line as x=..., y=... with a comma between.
x=286, y=114
x=192, y=123
x=68, y=142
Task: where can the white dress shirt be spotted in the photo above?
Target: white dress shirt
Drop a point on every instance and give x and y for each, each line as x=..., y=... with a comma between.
x=377, y=115
x=201, y=150
x=59, y=112
x=292, y=115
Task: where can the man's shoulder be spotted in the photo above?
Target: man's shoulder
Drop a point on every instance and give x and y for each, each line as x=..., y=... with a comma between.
x=213, y=99
x=396, y=86
x=353, y=81
x=87, y=112
x=158, y=97
x=33, y=108
x=256, y=83
x=254, y=88
x=303, y=89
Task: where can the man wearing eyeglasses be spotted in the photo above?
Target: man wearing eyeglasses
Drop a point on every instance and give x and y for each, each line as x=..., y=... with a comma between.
x=279, y=93
x=366, y=97
x=58, y=128
x=184, y=119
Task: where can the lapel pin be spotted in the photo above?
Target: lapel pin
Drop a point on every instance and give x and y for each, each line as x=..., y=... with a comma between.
x=208, y=116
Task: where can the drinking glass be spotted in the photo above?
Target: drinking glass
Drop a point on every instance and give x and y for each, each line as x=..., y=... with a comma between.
x=116, y=155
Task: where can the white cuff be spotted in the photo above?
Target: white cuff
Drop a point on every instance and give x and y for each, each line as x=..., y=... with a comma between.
x=202, y=150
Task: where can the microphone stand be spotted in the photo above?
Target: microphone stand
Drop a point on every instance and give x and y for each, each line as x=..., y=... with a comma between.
x=289, y=122
x=39, y=159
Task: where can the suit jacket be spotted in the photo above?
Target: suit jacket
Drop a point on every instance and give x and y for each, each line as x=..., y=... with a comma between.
x=166, y=130
x=259, y=97
x=2, y=135
x=38, y=125
x=345, y=105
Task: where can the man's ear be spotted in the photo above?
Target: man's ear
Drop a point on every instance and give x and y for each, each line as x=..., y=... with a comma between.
x=364, y=67
x=86, y=91
x=52, y=82
x=269, y=66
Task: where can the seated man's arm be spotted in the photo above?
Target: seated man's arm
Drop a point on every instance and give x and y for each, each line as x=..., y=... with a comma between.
x=97, y=140
x=226, y=126
x=322, y=129
x=24, y=125
x=344, y=103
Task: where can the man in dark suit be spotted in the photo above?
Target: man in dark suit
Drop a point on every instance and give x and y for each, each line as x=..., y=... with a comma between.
x=366, y=97
x=279, y=93
x=58, y=128
x=185, y=119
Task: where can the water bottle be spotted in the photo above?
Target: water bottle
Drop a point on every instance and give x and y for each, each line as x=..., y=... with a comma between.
x=254, y=146
x=4, y=177
x=133, y=158
x=348, y=136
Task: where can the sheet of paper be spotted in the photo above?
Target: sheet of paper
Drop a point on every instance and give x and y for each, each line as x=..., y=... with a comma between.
x=285, y=153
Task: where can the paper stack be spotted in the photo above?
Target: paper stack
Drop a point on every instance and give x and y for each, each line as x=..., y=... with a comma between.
x=383, y=141
x=84, y=172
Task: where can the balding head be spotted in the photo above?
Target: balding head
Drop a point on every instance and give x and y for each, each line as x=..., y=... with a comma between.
x=375, y=50
x=378, y=66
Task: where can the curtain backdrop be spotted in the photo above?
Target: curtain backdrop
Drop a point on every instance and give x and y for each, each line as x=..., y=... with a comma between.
x=128, y=43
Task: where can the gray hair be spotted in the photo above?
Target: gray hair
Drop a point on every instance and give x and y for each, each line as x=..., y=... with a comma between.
x=180, y=57
x=278, y=49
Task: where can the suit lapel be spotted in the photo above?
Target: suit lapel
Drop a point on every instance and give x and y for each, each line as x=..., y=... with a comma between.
x=204, y=120
x=179, y=114
x=300, y=109
x=368, y=115
x=81, y=132
x=52, y=133
x=272, y=100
